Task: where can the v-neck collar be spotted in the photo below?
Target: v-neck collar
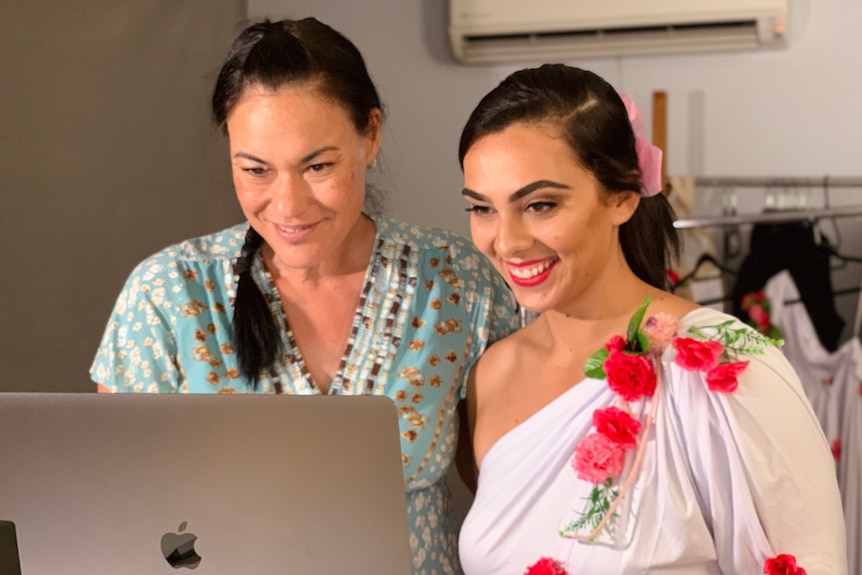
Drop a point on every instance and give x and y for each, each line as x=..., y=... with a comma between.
x=292, y=354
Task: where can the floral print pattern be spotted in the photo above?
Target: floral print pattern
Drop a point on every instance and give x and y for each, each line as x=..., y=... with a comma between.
x=430, y=305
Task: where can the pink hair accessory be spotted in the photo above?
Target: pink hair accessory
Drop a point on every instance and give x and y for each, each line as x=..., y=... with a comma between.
x=649, y=156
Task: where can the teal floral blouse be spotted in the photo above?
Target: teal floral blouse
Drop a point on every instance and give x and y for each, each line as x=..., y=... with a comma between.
x=430, y=305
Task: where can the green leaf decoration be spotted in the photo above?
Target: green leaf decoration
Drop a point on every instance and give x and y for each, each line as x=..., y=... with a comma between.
x=774, y=334
x=635, y=324
x=595, y=365
x=600, y=500
x=739, y=341
x=643, y=342
x=694, y=330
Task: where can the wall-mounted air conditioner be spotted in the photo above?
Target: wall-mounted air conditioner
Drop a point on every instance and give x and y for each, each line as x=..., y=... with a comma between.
x=504, y=31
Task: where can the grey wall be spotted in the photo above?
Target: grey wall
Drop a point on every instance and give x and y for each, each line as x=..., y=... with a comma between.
x=106, y=155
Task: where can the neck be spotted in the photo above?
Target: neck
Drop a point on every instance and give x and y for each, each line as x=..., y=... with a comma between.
x=615, y=292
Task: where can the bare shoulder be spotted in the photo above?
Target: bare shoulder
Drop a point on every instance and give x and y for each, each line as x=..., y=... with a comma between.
x=505, y=355
x=665, y=302
x=497, y=400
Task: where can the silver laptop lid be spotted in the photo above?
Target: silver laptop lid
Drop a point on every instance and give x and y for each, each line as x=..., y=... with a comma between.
x=250, y=484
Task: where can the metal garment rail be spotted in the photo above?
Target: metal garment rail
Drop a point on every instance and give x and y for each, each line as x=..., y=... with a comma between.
x=769, y=217
x=778, y=216
x=778, y=182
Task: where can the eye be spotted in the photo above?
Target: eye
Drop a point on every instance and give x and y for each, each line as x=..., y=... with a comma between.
x=479, y=210
x=318, y=168
x=540, y=207
x=257, y=171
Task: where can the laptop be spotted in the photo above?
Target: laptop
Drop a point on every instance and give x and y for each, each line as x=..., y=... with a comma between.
x=150, y=484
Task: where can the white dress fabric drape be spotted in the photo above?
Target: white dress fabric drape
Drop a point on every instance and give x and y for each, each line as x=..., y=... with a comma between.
x=833, y=384
x=727, y=480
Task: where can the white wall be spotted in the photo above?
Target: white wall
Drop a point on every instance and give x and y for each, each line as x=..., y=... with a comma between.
x=788, y=112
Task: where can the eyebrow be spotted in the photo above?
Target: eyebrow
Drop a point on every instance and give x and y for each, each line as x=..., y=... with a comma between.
x=305, y=159
x=519, y=193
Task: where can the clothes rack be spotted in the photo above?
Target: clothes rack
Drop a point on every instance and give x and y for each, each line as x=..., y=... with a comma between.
x=778, y=216
x=777, y=182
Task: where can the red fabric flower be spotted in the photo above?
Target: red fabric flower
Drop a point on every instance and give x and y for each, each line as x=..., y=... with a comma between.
x=694, y=354
x=630, y=376
x=836, y=448
x=783, y=564
x=616, y=343
x=752, y=298
x=760, y=317
x=546, y=566
x=723, y=376
x=617, y=425
x=597, y=458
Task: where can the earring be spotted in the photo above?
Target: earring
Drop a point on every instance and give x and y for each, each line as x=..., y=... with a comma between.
x=373, y=164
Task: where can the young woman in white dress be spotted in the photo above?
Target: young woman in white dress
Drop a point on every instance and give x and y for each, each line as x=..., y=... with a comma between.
x=625, y=430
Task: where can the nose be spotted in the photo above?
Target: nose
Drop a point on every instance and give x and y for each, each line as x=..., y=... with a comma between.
x=291, y=194
x=513, y=237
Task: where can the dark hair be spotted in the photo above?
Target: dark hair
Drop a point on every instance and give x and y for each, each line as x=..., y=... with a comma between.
x=273, y=55
x=593, y=120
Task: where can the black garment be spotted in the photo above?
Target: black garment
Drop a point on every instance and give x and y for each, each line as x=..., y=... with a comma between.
x=791, y=246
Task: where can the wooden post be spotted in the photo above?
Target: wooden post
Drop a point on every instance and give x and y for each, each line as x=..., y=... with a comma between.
x=659, y=133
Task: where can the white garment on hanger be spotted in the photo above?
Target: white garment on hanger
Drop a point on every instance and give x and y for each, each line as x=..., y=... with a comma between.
x=833, y=384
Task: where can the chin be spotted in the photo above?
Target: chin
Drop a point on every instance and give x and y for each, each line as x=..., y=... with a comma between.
x=532, y=305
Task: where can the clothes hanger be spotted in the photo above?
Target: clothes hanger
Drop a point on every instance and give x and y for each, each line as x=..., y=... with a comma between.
x=705, y=258
x=844, y=258
x=832, y=247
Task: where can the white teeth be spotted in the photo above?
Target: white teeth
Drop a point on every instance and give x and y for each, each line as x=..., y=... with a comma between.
x=527, y=273
x=293, y=230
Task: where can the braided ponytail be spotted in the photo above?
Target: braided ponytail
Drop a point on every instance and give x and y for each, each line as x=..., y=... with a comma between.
x=257, y=338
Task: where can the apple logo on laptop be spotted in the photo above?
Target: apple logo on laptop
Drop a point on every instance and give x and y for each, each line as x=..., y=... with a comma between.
x=179, y=548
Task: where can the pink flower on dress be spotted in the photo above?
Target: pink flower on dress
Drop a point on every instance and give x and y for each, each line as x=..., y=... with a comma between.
x=693, y=354
x=723, y=377
x=598, y=458
x=660, y=330
x=630, y=376
x=836, y=448
x=617, y=425
x=546, y=566
x=784, y=564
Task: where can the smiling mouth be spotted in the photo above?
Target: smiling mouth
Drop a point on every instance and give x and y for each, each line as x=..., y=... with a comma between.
x=531, y=272
x=294, y=229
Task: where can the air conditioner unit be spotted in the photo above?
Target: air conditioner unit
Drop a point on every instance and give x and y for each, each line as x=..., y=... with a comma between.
x=505, y=31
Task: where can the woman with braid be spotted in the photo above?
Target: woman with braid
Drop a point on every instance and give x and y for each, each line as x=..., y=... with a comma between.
x=314, y=294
